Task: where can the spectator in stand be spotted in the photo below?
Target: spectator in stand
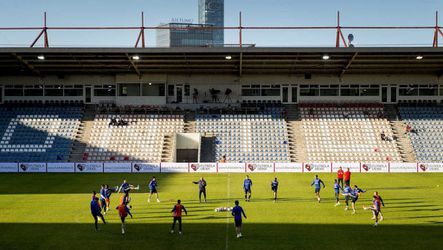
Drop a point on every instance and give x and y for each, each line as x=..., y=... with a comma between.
x=348, y=177
x=409, y=129
x=113, y=122
x=340, y=174
x=223, y=159
x=384, y=137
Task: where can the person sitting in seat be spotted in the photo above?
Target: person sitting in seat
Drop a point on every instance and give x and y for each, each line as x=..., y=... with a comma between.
x=346, y=114
x=409, y=129
x=223, y=159
x=384, y=137
x=122, y=122
x=113, y=122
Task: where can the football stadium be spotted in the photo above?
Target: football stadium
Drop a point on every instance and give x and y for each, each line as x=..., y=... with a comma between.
x=209, y=134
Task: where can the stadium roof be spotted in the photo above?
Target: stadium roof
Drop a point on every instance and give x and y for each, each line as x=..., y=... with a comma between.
x=246, y=60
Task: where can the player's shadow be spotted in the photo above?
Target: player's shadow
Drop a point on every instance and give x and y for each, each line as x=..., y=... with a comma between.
x=215, y=235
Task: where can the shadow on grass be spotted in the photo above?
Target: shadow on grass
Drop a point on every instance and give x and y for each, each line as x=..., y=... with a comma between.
x=219, y=236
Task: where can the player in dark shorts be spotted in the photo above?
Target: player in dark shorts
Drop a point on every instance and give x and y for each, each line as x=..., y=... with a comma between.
x=123, y=211
x=96, y=212
x=247, y=187
x=237, y=212
x=317, y=182
x=153, y=188
x=177, y=214
x=376, y=207
x=353, y=195
x=377, y=197
x=274, y=188
x=201, y=188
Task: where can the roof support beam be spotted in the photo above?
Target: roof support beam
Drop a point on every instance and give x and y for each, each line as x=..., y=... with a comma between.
x=137, y=71
x=26, y=64
x=348, y=65
x=240, y=70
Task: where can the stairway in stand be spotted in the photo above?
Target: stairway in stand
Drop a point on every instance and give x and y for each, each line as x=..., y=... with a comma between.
x=297, y=144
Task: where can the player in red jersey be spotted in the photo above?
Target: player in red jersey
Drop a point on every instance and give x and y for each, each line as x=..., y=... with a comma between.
x=340, y=174
x=177, y=214
x=348, y=177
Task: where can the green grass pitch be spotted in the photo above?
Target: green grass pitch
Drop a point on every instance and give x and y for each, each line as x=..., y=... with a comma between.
x=51, y=211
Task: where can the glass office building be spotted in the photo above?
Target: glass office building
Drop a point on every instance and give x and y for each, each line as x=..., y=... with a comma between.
x=211, y=12
x=184, y=35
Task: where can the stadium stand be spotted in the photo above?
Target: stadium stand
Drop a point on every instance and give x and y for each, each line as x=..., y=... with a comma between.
x=426, y=131
x=260, y=137
x=347, y=133
x=35, y=134
x=141, y=139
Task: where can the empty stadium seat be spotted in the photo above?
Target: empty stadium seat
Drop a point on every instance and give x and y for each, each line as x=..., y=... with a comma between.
x=141, y=140
x=247, y=138
x=38, y=133
x=350, y=133
x=427, y=135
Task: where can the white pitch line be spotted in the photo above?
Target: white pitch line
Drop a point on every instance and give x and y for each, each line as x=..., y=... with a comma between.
x=228, y=188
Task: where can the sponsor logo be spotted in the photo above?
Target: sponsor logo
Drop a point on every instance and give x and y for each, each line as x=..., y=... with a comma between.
x=365, y=167
x=23, y=167
x=195, y=167
x=252, y=167
x=308, y=167
x=423, y=167
x=80, y=167
x=137, y=167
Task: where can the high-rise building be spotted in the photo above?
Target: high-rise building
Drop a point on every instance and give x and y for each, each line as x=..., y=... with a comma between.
x=211, y=12
x=184, y=35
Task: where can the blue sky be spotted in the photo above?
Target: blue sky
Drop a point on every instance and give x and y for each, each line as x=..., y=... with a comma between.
x=18, y=13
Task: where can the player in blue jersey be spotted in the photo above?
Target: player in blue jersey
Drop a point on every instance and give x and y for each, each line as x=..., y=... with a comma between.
x=103, y=204
x=274, y=188
x=317, y=182
x=237, y=212
x=108, y=194
x=126, y=187
x=153, y=189
x=247, y=187
x=337, y=189
x=353, y=195
x=96, y=212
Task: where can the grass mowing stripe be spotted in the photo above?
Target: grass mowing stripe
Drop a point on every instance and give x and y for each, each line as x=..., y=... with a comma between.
x=228, y=188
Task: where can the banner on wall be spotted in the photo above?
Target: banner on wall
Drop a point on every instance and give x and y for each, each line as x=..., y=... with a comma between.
x=89, y=167
x=231, y=167
x=354, y=167
x=381, y=167
x=430, y=167
x=400, y=167
x=209, y=167
x=174, y=167
x=8, y=167
x=145, y=167
x=288, y=167
x=60, y=167
x=117, y=167
x=317, y=167
x=260, y=167
x=32, y=167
